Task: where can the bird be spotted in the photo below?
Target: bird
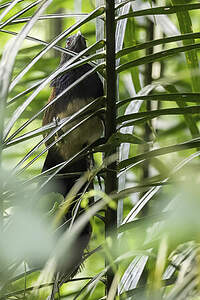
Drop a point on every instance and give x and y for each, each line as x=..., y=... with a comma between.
x=69, y=103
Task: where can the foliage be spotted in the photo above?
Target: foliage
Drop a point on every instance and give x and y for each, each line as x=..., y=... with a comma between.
x=153, y=251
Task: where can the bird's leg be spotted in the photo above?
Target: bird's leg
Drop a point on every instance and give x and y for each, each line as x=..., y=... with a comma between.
x=56, y=120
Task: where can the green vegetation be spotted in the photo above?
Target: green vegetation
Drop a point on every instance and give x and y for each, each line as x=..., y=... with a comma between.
x=145, y=220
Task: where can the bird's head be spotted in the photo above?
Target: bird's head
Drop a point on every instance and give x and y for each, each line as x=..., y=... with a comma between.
x=75, y=43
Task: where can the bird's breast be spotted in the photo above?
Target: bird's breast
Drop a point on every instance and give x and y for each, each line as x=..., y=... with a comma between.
x=77, y=138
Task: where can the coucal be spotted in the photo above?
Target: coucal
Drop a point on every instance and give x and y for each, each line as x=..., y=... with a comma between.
x=87, y=133
x=73, y=100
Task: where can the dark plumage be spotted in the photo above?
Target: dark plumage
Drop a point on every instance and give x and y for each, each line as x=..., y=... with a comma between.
x=72, y=101
x=84, y=90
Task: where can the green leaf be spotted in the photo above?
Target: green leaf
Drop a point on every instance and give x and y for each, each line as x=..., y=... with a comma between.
x=185, y=24
x=162, y=55
x=160, y=112
x=162, y=10
x=117, y=139
x=163, y=41
x=157, y=152
x=8, y=8
x=21, y=12
x=189, y=120
x=14, y=19
x=130, y=39
x=184, y=97
x=142, y=222
x=7, y=62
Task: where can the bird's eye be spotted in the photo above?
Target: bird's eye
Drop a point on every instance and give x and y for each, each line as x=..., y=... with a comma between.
x=68, y=42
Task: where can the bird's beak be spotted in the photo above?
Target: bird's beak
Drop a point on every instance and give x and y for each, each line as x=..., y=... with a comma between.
x=78, y=33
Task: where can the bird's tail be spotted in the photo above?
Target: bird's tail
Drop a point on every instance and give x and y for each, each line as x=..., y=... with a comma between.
x=62, y=184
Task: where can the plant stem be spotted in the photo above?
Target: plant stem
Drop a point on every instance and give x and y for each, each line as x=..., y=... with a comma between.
x=111, y=174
